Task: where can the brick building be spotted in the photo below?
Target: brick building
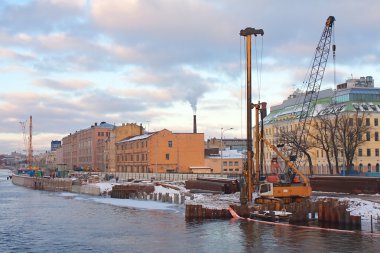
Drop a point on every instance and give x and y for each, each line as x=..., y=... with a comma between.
x=159, y=152
x=85, y=149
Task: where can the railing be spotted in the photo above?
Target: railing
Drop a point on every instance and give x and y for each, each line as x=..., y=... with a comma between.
x=124, y=176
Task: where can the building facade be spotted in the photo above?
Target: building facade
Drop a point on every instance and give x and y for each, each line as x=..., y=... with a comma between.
x=85, y=149
x=54, y=145
x=352, y=97
x=117, y=134
x=160, y=152
x=228, y=162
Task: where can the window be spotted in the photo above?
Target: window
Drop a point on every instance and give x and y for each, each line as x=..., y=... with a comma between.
x=137, y=157
x=167, y=156
x=131, y=157
x=368, y=135
x=360, y=152
x=230, y=163
x=367, y=122
x=368, y=152
x=377, y=167
x=359, y=136
x=360, y=167
x=369, y=167
x=137, y=145
x=376, y=136
x=224, y=163
x=377, y=152
x=360, y=122
x=236, y=163
x=351, y=121
x=376, y=122
x=170, y=144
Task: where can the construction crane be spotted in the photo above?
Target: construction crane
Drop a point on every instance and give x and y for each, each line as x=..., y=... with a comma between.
x=28, y=141
x=317, y=71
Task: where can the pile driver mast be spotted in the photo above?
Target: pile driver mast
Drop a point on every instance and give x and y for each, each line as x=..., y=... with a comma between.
x=248, y=189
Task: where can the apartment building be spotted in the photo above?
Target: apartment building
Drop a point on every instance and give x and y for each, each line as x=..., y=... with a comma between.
x=85, y=149
x=160, y=152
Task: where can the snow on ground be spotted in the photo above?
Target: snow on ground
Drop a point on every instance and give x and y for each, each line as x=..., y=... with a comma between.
x=364, y=208
x=133, y=203
x=105, y=186
x=215, y=201
x=357, y=206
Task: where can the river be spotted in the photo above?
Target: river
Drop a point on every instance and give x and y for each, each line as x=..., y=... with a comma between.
x=39, y=221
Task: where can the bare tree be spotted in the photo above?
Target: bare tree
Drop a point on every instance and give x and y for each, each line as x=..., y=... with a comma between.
x=349, y=132
x=322, y=136
x=297, y=144
x=324, y=133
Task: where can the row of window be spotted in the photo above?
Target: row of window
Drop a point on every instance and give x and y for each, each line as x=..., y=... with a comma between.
x=132, y=157
x=131, y=168
x=136, y=157
x=368, y=136
x=140, y=144
x=369, y=167
x=231, y=170
x=367, y=121
x=230, y=163
x=360, y=152
x=104, y=134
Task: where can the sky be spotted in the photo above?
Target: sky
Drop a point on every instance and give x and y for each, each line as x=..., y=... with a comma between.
x=71, y=63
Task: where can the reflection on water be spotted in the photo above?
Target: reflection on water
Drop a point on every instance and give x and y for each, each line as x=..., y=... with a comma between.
x=38, y=221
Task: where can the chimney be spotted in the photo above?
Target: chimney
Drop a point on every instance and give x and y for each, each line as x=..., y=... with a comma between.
x=194, y=124
x=141, y=129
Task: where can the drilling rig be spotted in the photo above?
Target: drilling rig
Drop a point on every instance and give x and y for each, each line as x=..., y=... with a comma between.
x=293, y=186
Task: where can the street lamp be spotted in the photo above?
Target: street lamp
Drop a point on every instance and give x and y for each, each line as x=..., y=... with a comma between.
x=221, y=148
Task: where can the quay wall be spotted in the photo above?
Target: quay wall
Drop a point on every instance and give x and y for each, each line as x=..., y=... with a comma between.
x=86, y=189
x=38, y=183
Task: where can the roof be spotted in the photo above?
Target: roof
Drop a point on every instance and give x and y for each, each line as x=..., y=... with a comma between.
x=290, y=110
x=229, y=153
x=136, y=138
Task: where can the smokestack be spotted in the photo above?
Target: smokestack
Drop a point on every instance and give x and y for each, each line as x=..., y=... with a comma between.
x=194, y=124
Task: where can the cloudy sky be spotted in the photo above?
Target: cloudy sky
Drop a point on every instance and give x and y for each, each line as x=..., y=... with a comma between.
x=70, y=63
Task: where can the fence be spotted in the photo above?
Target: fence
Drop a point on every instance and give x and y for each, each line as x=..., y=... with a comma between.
x=125, y=176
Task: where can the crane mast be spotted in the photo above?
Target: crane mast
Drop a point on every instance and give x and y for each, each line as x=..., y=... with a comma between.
x=30, y=149
x=316, y=73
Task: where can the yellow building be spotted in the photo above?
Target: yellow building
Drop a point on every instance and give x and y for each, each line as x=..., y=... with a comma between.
x=353, y=97
x=227, y=162
x=160, y=152
x=117, y=134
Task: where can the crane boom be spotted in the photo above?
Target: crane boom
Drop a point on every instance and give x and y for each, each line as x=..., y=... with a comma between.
x=316, y=73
